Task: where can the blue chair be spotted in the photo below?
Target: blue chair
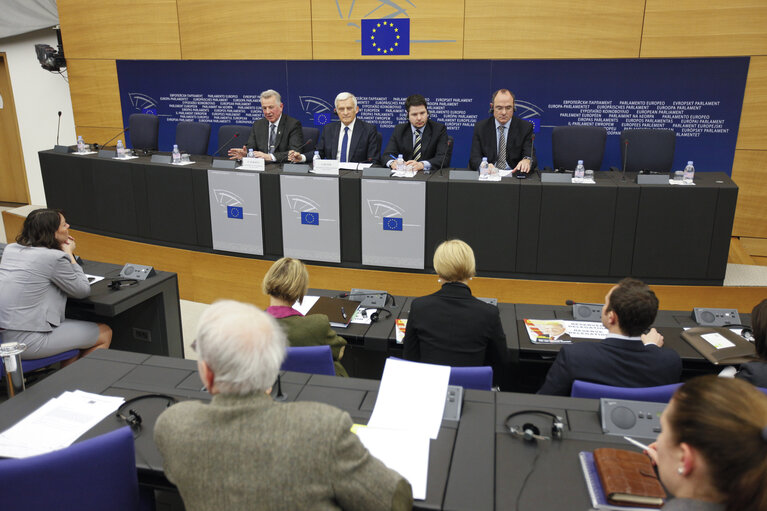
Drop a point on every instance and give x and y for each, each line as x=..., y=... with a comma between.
x=648, y=150
x=310, y=359
x=660, y=394
x=95, y=474
x=572, y=143
x=144, y=130
x=227, y=132
x=39, y=363
x=480, y=378
x=762, y=389
x=193, y=137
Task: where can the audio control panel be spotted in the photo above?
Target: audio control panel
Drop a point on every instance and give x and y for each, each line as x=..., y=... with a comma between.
x=639, y=419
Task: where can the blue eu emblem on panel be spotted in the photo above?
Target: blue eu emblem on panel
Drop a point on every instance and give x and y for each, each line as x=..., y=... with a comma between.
x=234, y=212
x=391, y=223
x=310, y=218
x=386, y=36
x=322, y=118
x=536, y=122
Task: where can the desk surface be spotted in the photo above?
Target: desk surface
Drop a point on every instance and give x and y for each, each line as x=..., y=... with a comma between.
x=473, y=465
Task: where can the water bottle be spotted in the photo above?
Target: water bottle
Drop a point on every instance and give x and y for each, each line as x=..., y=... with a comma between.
x=689, y=173
x=579, y=171
x=251, y=154
x=316, y=157
x=80, y=144
x=176, y=154
x=120, y=149
x=400, y=163
x=484, y=169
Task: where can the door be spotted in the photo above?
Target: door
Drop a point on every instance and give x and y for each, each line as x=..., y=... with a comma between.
x=13, y=176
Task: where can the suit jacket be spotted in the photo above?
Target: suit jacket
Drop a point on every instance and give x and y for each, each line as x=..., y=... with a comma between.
x=289, y=136
x=485, y=143
x=433, y=143
x=613, y=361
x=754, y=373
x=363, y=147
x=451, y=327
x=251, y=453
x=311, y=330
x=34, y=285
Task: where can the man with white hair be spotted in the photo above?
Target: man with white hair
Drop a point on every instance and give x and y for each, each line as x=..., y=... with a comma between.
x=349, y=139
x=245, y=451
x=274, y=135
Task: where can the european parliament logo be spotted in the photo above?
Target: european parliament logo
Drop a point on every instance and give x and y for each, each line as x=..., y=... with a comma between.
x=391, y=223
x=322, y=118
x=387, y=36
x=234, y=212
x=310, y=218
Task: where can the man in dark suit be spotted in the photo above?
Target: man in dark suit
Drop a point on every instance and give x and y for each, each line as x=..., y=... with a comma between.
x=350, y=139
x=273, y=136
x=627, y=357
x=503, y=131
x=421, y=141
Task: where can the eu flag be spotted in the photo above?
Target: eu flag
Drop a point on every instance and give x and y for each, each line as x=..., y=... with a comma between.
x=391, y=223
x=388, y=36
x=322, y=118
x=310, y=218
x=234, y=212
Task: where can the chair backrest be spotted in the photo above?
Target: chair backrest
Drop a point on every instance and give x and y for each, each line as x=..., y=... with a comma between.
x=311, y=135
x=193, y=137
x=762, y=389
x=572, y=143
x=310, y=359
x=660, y=394
x=648, y=150
x=38, y=363
x=227, y=132
x=95, y=474
x=144, y=130
x=480, y=378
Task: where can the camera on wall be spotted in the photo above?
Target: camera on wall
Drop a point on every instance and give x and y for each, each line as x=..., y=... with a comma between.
x=49, y=58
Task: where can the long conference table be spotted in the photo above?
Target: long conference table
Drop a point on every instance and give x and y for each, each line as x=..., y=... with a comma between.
x=518, y=228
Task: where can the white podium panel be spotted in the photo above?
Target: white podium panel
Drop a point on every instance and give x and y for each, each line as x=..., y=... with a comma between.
x=235, y=211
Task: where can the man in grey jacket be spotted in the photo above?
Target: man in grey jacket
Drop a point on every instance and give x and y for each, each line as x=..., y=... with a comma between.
x=245, y=451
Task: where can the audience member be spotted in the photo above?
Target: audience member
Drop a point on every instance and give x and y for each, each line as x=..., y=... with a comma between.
x=756, y=372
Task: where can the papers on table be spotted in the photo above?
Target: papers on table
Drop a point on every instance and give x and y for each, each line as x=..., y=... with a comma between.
x=92, y=279
x=350, y=165
x=403, y=173
x=717, y=340
x=400, y=326
x=184, y=163
x=124, y=157
x=362, y=316
x=495, y=176
x=306, y=304
x=563, y=331
x=56, y=424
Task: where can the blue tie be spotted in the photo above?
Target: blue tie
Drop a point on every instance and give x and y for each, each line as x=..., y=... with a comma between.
x=345, y=143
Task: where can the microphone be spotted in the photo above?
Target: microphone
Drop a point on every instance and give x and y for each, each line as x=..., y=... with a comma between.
x=58, y=129
x=96, y=146
x=522, y=175
x=571, y=302
x=237, y=134
x=280, y=395
x=625, y=157
x=304, y=145
x=444, y=157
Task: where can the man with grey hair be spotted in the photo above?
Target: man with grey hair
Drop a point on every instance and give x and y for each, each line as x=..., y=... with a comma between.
x=245, y=451
x=349, y=139
x=274, y=135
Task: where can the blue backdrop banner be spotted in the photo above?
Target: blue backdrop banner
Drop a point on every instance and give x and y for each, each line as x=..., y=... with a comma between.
x=700, y=99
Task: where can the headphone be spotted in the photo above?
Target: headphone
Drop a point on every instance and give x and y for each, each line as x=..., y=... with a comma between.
x=133, y=419
x=121, y=283
x=529, y=432
x=377, y=314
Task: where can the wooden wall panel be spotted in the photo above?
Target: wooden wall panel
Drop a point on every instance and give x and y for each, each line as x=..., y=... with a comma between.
x=748, y=171
x=753, y=128
x=691, y=28
x=556, y=29
x=755, y=246
x=244, y=29
x=95, y=92
x=336, y=28
x=120, y=29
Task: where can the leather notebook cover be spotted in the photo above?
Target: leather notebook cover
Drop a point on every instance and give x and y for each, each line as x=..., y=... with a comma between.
x=334, y=309
x=720, y=345
x=628, y=478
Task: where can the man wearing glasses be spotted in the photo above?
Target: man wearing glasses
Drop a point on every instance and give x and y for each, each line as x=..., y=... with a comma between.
x=505, y=140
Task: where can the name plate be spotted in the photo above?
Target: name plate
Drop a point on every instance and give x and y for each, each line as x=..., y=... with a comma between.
x=223, y=164
x=326, y=167
x=652, y=179
x=556, y=177
x=253, y=163
x=464, y=175
x=160, y=158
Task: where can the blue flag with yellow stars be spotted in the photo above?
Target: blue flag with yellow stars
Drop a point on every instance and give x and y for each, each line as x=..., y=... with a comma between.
x=386, y=37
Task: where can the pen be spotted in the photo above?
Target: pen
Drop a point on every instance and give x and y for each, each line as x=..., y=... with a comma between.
x=638, y=444
x=343, y=312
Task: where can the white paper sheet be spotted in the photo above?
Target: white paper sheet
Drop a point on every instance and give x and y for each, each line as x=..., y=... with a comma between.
x=717, y=340
x=306, y=304
x=350, y=165
x=92, y=279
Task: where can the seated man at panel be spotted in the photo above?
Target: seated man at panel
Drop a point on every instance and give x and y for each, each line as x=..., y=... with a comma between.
x=627, y=357
x=245, y=451
x=272, y=136
x=421, y=141
x=348, y=140
x=505, y=140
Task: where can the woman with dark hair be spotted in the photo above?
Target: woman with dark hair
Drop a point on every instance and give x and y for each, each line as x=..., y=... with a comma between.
x=37, y=274
x=756, y=372
x=712, y=451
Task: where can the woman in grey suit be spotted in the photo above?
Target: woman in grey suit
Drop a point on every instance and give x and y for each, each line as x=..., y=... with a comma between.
x=37, y=273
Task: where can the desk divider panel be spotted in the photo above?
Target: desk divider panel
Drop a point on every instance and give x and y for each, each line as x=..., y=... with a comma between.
x=235, y=211
x=351, y=221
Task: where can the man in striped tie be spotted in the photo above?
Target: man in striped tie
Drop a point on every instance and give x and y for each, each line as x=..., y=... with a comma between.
x=421, y=141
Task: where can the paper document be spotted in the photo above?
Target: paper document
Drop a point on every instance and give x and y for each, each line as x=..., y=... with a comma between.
x=92, y=279
x=400, y=326
x=306, y=304
x=350, y=165
x=403, y=173
x=491, y=177
x=184, y=163
x=561, y=330
x=362, y=316
x=124, y=157
x=56, y=424
x=718, y=341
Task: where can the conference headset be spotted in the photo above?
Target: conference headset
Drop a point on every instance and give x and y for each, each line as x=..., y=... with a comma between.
x=529, y=432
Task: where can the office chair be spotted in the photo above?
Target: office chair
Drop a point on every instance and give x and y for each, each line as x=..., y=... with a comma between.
x=660, y=394
x=38, y=363
x=309, y=359
x=648, y=150
x=193, y=137
x=144, y=130
x=227, y=132
x=572, y=143
x=95, y=474
x=480, y=378
x=311, y=137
